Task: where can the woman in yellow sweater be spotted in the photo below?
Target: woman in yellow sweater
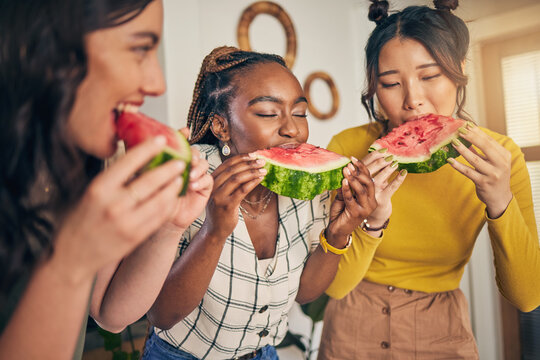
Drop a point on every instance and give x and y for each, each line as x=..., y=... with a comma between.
x=400, y=279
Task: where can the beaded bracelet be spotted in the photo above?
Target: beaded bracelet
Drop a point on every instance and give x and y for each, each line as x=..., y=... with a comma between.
x=366, y=227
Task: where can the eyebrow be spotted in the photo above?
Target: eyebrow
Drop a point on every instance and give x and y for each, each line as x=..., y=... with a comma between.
x=274, y=100
x=147, y=34
x=390, y=72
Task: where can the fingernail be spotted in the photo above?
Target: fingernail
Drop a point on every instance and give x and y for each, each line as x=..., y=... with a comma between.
x=353, y=158
x=252, y=155
x=345, y=182
x=383, y=150
x=450, y=160
x=403, y=172
x=456, y=142
x=394, y=164
x=160, y=140
x=347, y=171
x=389, y=158
x=471, y=125
x=261, y=161
x=463, y=131
x=263, y=171
x=180, y=165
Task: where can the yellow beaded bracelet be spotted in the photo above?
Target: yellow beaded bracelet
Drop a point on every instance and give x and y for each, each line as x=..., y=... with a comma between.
x=327, y=247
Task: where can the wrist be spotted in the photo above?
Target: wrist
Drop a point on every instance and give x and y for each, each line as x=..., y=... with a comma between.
x=327, y=247
x=374, y=226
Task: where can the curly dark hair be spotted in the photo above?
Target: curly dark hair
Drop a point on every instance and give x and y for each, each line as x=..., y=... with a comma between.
x=42, y=64
x=443, y=34
x=215, y=87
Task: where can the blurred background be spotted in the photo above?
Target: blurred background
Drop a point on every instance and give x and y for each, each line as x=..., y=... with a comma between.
x=503, y=94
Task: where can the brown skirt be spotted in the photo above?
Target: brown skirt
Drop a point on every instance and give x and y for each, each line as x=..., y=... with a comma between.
x=384, y=322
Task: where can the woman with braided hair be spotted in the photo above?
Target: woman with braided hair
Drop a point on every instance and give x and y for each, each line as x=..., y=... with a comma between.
x=244, y=262
x=396, y=294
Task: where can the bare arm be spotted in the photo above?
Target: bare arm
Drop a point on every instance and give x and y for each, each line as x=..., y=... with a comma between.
x=105, y=225
x=124, y=292
x=354, y=202
x=191, y=273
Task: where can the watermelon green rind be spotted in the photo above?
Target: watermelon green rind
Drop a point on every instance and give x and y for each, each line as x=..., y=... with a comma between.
x=304, y=184
x=169, y=153
x=437, y=156
x=135, y=127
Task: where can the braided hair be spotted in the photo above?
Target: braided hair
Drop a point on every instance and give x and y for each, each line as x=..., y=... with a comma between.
x=443, y=34
x=215, y=87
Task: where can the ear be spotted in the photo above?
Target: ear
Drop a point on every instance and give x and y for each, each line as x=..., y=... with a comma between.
x=220, y=128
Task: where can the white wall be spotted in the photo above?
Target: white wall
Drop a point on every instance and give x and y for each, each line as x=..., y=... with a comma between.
x=330, y=37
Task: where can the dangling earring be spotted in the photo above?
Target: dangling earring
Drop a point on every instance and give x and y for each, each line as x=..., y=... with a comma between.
x=226, y=150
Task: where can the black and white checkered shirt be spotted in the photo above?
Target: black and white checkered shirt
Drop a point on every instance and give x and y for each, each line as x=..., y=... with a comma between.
x=247, y=303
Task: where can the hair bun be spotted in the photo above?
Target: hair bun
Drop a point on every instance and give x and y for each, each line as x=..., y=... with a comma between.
x=447, y=5
x=378, y=11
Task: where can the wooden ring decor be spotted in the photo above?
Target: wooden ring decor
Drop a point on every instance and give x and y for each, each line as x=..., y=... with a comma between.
x=273, y=9
x=335, y=95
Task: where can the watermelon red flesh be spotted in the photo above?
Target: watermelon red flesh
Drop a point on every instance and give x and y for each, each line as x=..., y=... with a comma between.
x=302, y=171
x=422, y=145
x=134, y=128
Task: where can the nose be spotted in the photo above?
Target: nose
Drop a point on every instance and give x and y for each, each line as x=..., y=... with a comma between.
x=289, y=128
x=413, y=97
x=153, y=81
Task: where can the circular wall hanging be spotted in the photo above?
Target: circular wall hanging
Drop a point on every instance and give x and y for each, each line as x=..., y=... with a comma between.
x=273, y=9
x=333, y=90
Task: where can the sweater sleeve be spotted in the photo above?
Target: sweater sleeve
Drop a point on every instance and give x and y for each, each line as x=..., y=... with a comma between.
x=514, y=240
x=355, y=262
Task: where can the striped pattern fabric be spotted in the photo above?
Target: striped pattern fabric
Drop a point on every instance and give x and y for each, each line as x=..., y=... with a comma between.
x=247, y=303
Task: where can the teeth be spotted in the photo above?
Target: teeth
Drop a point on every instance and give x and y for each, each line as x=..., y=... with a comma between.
x=127, y=108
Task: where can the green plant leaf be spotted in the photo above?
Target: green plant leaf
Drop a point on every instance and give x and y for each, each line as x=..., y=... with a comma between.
x=315, y=309
x=111, y=341
x=292, y=339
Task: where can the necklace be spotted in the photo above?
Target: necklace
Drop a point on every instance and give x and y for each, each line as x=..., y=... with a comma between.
x=264, y=198
x=254, y=217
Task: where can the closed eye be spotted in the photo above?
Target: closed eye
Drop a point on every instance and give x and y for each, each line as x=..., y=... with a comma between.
x=266, y=115
x=431, y=77
x=385, y=85
x=300, y=115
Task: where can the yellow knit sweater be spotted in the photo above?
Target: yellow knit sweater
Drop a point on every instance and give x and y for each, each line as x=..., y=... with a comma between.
x=434, y=224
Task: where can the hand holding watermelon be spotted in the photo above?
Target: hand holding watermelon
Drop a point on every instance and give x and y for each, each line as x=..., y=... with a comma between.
x=354, y=201
x=233, y=180
x=490, y=171
x=381, y=167
x=191, y=205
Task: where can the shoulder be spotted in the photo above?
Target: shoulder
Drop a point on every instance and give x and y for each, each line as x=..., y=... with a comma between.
x=355, y=141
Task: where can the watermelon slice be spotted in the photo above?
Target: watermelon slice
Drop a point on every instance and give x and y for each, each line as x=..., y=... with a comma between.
x=424, y=144
x=134, y=127
x=302, y=171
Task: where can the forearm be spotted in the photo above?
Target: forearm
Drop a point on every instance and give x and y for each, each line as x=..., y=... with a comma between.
x=188, y=279
x=319, y=271
x=49, y=315
x=517, y=257
x=354, y=264
x=131, y=290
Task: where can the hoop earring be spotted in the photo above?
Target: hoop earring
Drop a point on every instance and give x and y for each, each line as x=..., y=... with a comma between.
x=226, y=150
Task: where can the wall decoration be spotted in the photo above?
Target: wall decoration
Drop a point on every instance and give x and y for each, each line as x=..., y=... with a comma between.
x=273, y=9
x=333, y=90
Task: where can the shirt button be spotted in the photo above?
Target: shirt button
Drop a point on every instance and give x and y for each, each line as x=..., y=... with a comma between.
x=263, y=333
x=386, y=310
x=385, y=345
x=390, y=288
x=263, y=309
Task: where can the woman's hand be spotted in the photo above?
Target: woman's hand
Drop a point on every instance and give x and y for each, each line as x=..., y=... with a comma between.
x=381, y=167
x=118, y=211
x=191, y=205
x=354, y=202
x=233, y=180
x=489, y=171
